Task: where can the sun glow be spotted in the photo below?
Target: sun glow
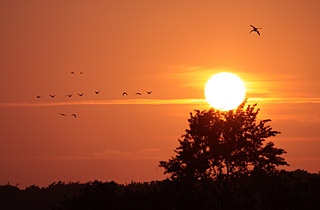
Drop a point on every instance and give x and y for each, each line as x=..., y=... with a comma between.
x=225, y=91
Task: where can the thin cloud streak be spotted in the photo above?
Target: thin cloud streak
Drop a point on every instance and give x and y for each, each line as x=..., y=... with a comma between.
x=81, y=158
x=109, y=154
x=285, y=100
x=111, y=102
x=158, y=102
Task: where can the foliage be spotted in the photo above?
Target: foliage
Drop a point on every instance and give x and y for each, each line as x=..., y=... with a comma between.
x=223, y=144
x=282, y=190
x=35, y=198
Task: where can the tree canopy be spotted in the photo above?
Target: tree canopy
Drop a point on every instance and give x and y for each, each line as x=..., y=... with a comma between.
x=224, y=144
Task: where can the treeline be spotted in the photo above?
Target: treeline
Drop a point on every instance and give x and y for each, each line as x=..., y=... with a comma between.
x=283, y=190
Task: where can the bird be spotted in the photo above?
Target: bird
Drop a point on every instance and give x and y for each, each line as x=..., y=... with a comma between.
x=62, y=114
x=124, y=94
x=255, y=29
x=38, y=96
x=72, y=72
x=69, y=95
x=81, y=72
x=149, y=92
x=74, y=115
x=80, y=94
x=138, y=94
x=97, y=92
x=52, y=96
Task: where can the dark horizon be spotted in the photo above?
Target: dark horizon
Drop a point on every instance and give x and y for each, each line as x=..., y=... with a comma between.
x=171, y=48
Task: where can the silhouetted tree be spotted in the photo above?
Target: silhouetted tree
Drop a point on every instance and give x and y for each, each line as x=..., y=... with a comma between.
x=223, y=144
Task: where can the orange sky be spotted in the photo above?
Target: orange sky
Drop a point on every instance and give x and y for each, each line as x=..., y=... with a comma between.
x=170, y=47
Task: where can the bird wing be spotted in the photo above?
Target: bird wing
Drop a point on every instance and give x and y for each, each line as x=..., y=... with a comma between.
x=252, y=26
x=258, y=33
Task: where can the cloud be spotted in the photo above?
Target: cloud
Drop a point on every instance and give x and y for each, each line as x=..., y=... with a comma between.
x=111, y=102
x=147, y=153
x=257, y=84
x=187, y=101
x=285, y=100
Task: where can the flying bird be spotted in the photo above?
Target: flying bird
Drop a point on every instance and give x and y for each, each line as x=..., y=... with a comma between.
x=62, y=114
x=74, y=115
x=38, y=96
x=124, y=94
x=255, y=29
x=97, y=92
x=149, y=92
x=138, y=94
x=81, y=72
x=80, y=94
x=72, y=72
x=52, y=96
x=69, y=95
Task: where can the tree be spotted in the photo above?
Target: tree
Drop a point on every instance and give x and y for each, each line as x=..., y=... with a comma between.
x=224, y=144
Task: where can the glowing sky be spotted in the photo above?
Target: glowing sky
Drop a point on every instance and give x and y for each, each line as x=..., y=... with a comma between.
x=170, y=47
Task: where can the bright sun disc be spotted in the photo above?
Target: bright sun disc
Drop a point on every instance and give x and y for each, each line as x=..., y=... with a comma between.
x=225, y=91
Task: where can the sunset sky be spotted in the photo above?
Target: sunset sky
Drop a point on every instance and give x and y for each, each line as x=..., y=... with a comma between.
x=171, y=47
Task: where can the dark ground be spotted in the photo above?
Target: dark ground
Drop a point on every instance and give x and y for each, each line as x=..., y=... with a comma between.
x=283, y=190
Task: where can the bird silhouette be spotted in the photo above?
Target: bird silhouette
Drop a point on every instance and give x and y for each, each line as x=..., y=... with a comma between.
x=74, y=115
x=38, y=96
x=52, y=96
x=138, y=94
x=149, y=92
x=81, y=72
x=124, y=94
x=97, y=92
x=62, y=114
x=80, y=94
x=255, y=29
x=72, y=72
x=69, y=95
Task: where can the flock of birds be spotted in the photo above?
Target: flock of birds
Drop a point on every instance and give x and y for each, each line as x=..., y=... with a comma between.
x=254, y=29
x=96, y=92
x=81, y=94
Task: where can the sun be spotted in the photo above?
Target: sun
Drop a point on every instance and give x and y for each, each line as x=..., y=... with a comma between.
x=225, y=91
